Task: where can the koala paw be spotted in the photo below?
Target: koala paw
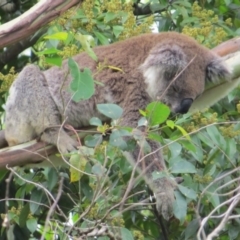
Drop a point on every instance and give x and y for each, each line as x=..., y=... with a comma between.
x=164, y=194
x=66, y=145
x=61, y=139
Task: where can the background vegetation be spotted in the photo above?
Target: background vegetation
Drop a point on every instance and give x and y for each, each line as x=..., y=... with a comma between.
x=96, y=201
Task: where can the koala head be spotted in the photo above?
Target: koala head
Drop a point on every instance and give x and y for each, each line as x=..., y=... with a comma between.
x=177, y=74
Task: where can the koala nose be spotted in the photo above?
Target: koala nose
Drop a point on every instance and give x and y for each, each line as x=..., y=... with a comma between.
x=185, y=105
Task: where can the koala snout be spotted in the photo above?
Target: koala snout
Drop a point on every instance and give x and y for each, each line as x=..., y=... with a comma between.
x=184, y=106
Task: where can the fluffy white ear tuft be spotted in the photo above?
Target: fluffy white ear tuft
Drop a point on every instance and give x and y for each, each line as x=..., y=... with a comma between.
x=218, y=70
x=169, y=59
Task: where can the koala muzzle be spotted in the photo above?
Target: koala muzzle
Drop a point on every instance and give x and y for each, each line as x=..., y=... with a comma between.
x=185, y=105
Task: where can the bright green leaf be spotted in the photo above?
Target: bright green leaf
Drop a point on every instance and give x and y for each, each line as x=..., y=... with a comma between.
x=170, y=124
x=184, y=133
x=48, y=51
x=157, y=113
x=59, y=36
x=55, y=61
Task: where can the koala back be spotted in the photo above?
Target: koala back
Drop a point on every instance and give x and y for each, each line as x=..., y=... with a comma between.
x=169, y=67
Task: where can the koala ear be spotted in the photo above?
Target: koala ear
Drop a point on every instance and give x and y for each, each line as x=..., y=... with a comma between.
x=217, y=70
x=167, y=59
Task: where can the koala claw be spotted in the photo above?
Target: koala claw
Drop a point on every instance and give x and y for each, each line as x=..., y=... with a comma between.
x=67, y=145
x=164, y=193
x=62, y=140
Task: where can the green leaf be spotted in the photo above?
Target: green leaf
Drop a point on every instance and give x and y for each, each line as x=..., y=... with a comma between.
x=24, y=215
x=216, y=136
x=183, y=131
x=157, y=175
x=98, y=169
x=212, y=196
x=95, y=121
x=175, y=148
x=93, y=140
x=56, y=61
x=52, y=178
x=82, y=84
x=117, y=140
x=87, y=42
x=157, y=113
x=110, y=16
x=32, y=224
x=48, y=51
x=187, y=192
x=155, y=136
x=126, y=234
x=198, y=152
x=78, y=161
x=36, y=199
x=142, y=122
x=170, y=124
x=59, y=36
x=117, y=30
x=101, y=38
x=110, y=110
x=180, y=206
x=183, y=166
x=191, y=230
x=3, y=173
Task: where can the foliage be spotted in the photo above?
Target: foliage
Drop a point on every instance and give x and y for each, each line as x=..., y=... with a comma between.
x=102, y=192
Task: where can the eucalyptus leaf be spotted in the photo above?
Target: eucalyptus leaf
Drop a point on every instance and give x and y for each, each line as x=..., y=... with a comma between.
x=183, y=166
x=157, y=113
x=126, y=234
x=180, y=206
x=82, y=84
x=110, y=110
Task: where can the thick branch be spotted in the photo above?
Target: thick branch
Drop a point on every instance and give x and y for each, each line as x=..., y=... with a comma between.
x=230, y=46
x=32, y=20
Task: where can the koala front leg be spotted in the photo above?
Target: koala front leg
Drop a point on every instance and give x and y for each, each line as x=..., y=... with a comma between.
x=32, y=113
x=163, y=187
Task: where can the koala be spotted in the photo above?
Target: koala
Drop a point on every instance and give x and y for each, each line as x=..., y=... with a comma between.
x=169, y=67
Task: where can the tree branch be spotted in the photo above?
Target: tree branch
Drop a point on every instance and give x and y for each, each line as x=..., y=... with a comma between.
x=32, y=20
x=13, y=51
